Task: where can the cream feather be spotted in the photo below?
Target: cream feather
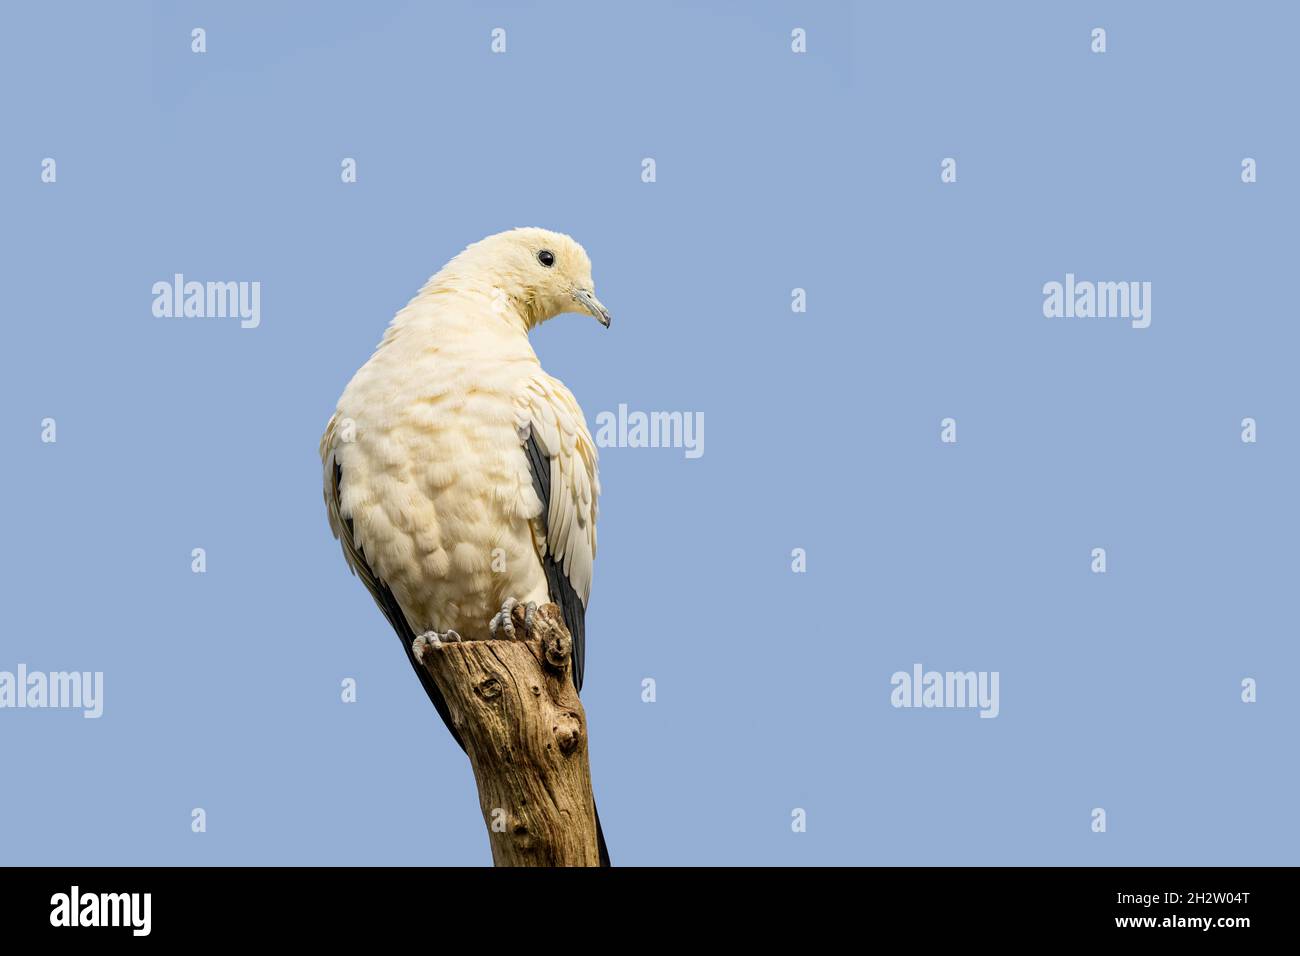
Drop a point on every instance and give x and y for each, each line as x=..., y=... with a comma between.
x=436, y=493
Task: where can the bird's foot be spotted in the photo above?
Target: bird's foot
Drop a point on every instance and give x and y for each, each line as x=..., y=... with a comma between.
x=432, y=639
x=502, y=621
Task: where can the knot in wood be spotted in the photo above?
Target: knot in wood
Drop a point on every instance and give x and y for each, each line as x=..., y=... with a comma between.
x=568, y=732
x=549, y=629
x=488, y=688
x=557, y=648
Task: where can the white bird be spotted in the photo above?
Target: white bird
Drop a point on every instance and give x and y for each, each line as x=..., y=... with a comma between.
x=459, y=476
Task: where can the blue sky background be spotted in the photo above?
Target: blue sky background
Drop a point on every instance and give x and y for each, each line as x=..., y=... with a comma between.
x=775, y=171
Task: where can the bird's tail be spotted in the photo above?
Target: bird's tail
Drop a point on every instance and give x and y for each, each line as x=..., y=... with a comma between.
x=600, y=840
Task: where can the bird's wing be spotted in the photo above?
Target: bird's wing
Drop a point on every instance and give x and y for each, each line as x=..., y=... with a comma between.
x=342, y=528
x=562, y=460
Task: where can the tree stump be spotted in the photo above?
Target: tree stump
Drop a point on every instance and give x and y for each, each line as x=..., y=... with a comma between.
x=514, y=706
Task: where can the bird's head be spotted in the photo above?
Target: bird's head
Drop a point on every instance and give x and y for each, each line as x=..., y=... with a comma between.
x=540, y=273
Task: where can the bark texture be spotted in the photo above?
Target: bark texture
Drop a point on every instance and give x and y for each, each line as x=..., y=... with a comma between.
x=514, y=705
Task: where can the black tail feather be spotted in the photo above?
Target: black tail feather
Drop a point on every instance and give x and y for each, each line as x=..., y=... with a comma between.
x=600, y=840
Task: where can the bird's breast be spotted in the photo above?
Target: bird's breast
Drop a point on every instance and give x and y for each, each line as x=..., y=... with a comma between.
x=438, y=487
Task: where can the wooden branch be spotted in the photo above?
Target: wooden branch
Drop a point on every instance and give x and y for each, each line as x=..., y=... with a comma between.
x=514, y=705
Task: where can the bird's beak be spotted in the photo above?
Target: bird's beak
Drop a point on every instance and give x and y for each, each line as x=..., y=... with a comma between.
x=587, y=299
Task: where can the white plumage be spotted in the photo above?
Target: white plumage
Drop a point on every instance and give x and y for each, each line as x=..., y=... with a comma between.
x=435, y=498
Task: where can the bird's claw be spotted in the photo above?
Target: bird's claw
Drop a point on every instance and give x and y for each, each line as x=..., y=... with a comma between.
x=433, y=639
x=503, y=619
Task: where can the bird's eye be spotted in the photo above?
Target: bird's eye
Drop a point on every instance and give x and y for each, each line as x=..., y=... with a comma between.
x=546, y=258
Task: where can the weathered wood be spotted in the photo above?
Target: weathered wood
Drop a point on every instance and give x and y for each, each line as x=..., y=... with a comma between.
x=514, y=705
